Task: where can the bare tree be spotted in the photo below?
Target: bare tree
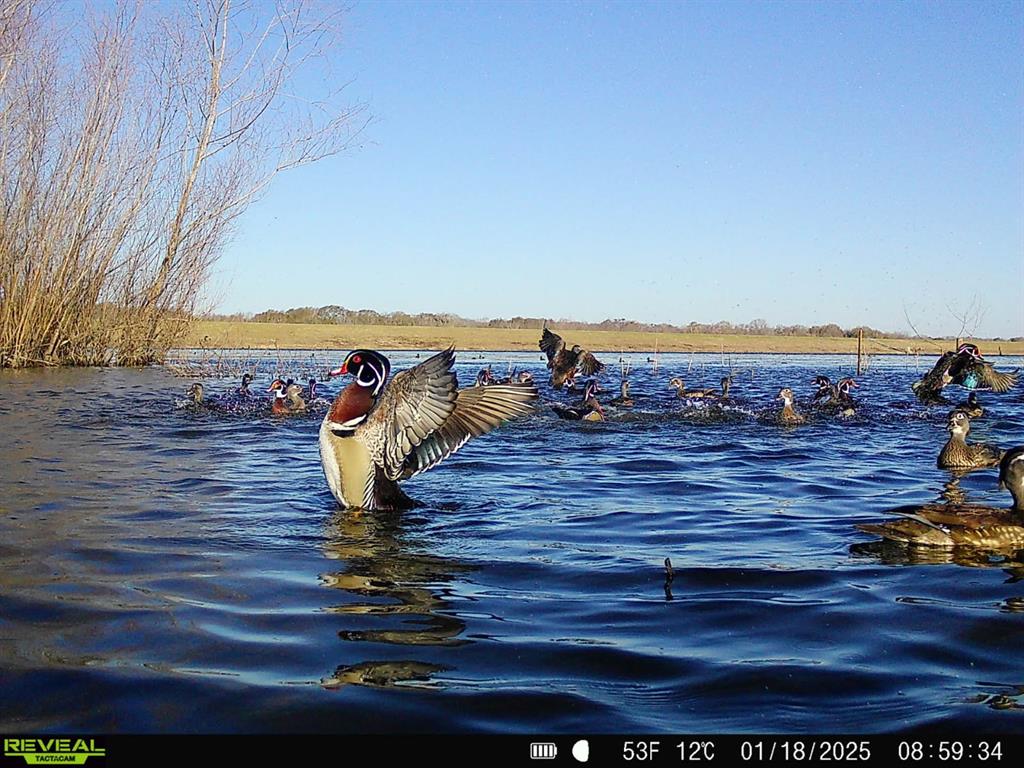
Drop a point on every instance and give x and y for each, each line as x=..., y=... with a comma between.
x=128, y=150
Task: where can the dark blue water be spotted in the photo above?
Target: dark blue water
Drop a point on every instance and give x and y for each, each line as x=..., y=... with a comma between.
x=167, y=569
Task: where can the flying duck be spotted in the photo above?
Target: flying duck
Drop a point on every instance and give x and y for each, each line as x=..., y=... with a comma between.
x=966, y=368
x=377, y=434
x=961, y=524
x=564, y=362
x=957, y=453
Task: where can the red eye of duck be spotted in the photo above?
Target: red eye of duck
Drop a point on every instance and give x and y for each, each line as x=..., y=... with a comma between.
x=357, y=359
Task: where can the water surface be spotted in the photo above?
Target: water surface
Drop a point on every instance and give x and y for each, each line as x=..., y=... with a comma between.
x=163, y=568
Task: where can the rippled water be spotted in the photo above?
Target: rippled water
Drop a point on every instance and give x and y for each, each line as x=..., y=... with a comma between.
x=167, y=569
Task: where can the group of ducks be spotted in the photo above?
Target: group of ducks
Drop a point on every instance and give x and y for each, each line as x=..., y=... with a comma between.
x=287, y=398
x=377, y=433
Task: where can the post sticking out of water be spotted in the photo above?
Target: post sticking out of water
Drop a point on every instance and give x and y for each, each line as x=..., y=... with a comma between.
x=860, y=343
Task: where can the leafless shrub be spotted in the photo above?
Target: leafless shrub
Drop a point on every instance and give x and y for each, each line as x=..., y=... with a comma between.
x=128, y=150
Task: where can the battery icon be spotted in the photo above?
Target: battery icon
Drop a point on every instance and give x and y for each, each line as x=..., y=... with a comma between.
x=543, y=750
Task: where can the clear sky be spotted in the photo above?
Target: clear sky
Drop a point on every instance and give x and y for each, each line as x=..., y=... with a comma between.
x=667, y=162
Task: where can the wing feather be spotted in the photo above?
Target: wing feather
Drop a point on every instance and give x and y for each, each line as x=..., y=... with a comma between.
x=589, y=365
x=417, y=403
x=994, y=380
x=477, y=411
x=551, y=344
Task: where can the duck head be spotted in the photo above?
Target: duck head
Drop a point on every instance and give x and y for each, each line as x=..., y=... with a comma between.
x=312, y=388
x=246, y=381
x=677, y=383
x=958, y=424
x=278, y=386
x=195, y=393
x=525, y=377
x=1011, y=476
x=786, y=396
x=844, y=385
x=624, y=388
x=970, y=350
x=370, y=369
x=484, y=377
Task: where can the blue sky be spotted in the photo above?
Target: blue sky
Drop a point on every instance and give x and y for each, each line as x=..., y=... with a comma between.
x=668, y=162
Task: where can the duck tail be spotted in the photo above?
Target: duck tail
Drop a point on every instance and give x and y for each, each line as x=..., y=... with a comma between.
x=909, y=531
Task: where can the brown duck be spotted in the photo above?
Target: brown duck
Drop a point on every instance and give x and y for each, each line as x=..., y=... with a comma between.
x=961, y=524
x=957, y=453
x=788, y=414
x=377, y=434
x=564, y=361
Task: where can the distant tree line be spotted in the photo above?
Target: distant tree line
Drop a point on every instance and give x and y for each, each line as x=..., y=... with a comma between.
x=338, y=315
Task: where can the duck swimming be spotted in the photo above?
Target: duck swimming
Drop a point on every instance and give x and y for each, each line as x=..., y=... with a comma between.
x=287, y=398
x=588, y=410
x=966, y=368
x=972, y=407
x=623, y=400
x=825, y=390
x=564, y=362
x=788, y=414
x=957, y=453
x=377, y=434
x=961, y=524
x=691, y=394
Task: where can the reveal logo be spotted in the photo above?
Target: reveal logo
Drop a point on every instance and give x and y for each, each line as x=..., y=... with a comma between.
x=53, y=751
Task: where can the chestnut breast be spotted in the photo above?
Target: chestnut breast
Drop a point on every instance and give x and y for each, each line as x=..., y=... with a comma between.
x=353, y=401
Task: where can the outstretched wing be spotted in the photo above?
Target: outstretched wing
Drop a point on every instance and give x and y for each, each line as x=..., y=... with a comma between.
x=412, y=408
x=938, y=377
x=478, y=410
x=551, y=344
x=588, y=364
x=988, y=377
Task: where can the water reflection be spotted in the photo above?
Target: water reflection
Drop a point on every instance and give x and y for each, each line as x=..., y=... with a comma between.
x=400, y=597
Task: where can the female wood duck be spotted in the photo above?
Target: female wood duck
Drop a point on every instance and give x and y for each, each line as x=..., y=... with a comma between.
x=961, y=524
x=623, y=400
x=243, y=391
x=966, y=368
x=588, y=410
x=957, y=453
x=972, y=407
x=691, y=394
x=376, y=434
x=788, y=415
x=564, y=362
x=194, y=394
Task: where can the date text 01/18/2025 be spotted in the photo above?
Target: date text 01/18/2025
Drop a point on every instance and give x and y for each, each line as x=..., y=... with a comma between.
x=801, y=749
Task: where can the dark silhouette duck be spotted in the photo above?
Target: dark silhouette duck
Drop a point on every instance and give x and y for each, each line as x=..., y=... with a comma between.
x=961, y=524
x=377, y=434
x=966, y=368
x=726, y=386
x=588, y=410
x=788, y=414
x=564, y=362
x=957, y=453
x=484, y=377
x=623, y=400
x=972, y=407
x=243, y=392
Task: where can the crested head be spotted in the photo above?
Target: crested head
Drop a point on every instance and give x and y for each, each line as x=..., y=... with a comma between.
x=246, y=380
x=1011, y=475
x=278, y=386
x=969, y=349
x=370, y=369
x=822, y=381
x=844, y=385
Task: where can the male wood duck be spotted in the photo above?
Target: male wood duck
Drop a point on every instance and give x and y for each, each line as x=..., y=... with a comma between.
x=824, y=391
x=588, y=410
x=842, y=399
x=484, y=377
x=377, y=434
x=961, y=524
x=788, y=414
x=623, y=400
x=972, y=407
x=564, y=362
x=287, y=398
x=966, y=368
x=957, y=453
x=691, y=394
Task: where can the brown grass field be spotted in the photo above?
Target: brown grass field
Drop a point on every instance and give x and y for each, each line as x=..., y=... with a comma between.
x=239, y=335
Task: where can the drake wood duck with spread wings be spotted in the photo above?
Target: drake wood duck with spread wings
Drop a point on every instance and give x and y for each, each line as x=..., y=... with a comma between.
x=377, y=434
x=966, y=368
x=563, y=361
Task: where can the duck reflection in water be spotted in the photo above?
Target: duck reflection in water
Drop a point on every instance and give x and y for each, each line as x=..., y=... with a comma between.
x=393, y=595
